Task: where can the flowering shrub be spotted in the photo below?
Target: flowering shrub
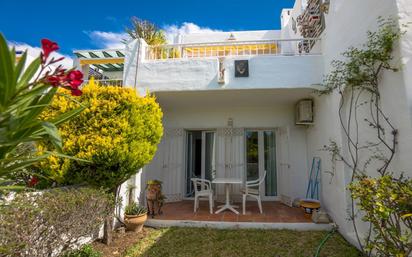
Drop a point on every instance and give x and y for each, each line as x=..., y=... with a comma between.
x=118, y=132
x=25, y=93
x=51, y=222
x=60, y=77
x=387, y=204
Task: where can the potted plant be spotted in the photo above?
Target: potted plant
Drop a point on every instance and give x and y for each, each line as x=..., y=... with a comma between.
x=135, y=216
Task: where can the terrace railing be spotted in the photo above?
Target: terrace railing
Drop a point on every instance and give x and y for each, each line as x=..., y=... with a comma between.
x=286, y=47
x=107, y=82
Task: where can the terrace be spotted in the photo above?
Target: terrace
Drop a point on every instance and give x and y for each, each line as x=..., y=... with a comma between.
x=275, y=215
x=158, y=66
x=274, y=212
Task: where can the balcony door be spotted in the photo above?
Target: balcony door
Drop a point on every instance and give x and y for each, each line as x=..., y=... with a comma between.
x=200, y=157
x=260, y=156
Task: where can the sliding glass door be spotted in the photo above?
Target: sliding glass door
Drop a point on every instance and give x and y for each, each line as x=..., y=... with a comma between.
x=252, y=155
x=269, y=148
x=209, y=155
x=261, y=156
x=200, y=157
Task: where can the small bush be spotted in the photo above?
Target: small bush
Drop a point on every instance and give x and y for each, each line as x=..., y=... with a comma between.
x=51, y=222
x=86, y=251
x=387, y=204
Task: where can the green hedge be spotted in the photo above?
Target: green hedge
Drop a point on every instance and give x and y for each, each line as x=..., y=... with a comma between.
x=57, y=220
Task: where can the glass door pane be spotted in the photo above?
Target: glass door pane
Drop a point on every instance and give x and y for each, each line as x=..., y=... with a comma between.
x=270, y=162
x=210, y=169
x=189, y=167
x=200, y=157
x=252, y=155
x=193, y=160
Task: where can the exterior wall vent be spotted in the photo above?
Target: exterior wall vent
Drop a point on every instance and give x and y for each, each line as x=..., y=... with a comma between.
x=304, y=112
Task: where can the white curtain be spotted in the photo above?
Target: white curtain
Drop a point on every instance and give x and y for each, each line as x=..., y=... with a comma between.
x=283, y=165
x=167, y=165
x=230, y=157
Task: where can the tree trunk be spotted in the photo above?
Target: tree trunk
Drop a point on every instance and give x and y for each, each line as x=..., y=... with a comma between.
x=107, y=230
x=108, y=222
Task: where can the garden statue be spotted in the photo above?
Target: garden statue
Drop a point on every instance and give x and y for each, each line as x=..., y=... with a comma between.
x=154, y=197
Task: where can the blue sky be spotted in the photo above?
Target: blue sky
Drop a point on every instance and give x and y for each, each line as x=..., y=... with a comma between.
x=87, y=24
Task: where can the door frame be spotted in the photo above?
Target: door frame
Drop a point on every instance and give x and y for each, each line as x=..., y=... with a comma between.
x=203, y=154
x=262, y=160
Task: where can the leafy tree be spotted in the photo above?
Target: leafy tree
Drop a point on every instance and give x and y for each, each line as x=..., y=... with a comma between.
x=146, y=30
x=118, y=133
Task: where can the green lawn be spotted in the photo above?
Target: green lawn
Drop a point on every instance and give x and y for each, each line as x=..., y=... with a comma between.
x=203, y=242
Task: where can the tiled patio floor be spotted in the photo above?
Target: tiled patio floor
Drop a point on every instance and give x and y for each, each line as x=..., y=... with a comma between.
x=272, y=212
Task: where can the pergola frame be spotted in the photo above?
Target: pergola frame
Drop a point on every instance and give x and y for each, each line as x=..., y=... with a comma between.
x=103, y=59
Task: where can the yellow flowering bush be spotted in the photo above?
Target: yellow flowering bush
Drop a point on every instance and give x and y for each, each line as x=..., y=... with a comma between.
x=118, y=133
x=386, y=203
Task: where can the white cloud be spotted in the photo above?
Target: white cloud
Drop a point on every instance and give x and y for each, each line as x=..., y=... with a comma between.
x=107, y=39
x=186, y=28
x=34, y=52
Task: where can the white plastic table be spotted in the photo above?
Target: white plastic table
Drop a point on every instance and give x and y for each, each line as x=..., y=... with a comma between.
x=227, y=182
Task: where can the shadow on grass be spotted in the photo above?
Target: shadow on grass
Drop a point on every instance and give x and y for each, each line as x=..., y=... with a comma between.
x=203, y=242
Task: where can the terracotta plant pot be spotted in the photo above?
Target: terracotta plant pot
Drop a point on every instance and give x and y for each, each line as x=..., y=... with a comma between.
x=135, y=222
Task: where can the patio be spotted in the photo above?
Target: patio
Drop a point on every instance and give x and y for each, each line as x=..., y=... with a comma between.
x=273, y=212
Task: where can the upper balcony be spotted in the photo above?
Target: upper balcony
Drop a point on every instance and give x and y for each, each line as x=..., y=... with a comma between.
x=284, y=47
x=283, y=63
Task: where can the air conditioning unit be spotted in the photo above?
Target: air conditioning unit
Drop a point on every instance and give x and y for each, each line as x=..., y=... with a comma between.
x=304, y=112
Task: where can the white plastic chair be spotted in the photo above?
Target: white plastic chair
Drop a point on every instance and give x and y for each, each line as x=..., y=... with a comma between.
x=251, y=190
x=203, y=189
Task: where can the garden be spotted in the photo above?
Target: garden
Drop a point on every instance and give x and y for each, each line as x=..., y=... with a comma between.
x=196, y=242
x=66, y=148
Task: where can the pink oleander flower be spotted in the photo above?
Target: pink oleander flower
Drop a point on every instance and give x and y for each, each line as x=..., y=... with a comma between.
x=48, y=47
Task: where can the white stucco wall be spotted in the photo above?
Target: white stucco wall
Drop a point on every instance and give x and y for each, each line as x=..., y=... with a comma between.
x=405, y=17
x=346, y=25
x=286, y=23
x=201, y=74
x=133, y=186
x=133, y=55
x=285, y=16
x=223, y=36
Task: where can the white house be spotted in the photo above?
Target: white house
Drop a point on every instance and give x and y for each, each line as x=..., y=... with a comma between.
x=230, y=100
